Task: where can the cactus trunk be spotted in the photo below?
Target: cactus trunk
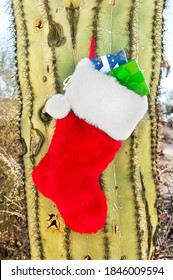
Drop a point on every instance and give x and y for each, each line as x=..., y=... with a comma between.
x=51, y=37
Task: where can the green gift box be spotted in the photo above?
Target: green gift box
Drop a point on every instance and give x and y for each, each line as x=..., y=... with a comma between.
x=130, y=75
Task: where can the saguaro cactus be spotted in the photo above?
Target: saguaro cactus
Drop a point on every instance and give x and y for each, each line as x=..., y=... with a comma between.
x=51, y=37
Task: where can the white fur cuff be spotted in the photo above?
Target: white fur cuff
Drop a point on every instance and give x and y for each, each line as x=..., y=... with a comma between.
x=101, y=101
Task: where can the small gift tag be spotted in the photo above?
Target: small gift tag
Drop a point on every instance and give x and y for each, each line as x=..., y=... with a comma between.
x=108, y=62
x=131, y=76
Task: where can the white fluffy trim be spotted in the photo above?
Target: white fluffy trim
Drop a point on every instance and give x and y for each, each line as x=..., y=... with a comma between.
x=101, y=101
x=58, y=106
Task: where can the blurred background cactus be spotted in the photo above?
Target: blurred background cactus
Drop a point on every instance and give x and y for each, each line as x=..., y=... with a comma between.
x=50, y=38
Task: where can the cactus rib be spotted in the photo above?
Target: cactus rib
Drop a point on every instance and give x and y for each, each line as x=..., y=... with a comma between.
x=95, y=22
x=133, y=52
x=67, y=231
x=73, y=14
x=46, y=9
x=157, y=29
x=27, y=90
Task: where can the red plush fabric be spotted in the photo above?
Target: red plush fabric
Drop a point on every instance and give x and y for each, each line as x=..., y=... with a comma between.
x=68, y=174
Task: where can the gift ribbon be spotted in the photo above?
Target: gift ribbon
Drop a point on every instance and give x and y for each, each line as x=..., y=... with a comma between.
x=130, y=81
x=106, y=66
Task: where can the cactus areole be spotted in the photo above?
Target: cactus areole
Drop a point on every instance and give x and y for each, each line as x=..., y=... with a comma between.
x=96, y=166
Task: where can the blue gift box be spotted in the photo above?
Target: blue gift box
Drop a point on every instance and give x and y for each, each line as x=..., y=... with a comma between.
x=108, y=62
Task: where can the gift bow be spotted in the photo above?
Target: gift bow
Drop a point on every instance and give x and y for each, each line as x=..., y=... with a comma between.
x=131, y=81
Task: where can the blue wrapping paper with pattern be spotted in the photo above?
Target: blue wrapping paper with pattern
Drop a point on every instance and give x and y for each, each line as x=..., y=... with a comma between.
x=108, y=62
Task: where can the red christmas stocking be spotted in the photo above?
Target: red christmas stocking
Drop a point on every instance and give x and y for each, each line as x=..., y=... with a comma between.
x=94, y=116
x=69, y=172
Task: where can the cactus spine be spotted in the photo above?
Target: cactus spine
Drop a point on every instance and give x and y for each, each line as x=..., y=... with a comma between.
x=51, y=37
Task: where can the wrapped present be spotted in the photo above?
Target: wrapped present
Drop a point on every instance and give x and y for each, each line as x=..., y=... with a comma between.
x=131, y=76
x=108, y=62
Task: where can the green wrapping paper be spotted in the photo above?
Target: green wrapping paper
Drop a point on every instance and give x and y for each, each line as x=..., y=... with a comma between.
x=130, y=75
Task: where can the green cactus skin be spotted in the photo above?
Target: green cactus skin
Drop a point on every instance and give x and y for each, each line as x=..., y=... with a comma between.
x=52, y=36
